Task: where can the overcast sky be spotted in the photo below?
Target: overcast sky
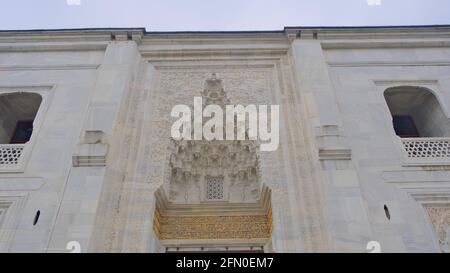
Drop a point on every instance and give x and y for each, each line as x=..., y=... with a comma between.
x=206, y=15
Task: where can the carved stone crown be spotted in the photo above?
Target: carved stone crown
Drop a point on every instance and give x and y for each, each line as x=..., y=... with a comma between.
x=214, y=92
x=214, y=189
x=192, y=163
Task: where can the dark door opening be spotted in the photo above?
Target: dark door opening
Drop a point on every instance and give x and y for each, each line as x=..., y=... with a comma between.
x=22, y=132
x=404, y=126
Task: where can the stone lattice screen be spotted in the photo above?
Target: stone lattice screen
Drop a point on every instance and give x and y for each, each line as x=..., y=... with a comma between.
x=10, y=155
x=427, y=147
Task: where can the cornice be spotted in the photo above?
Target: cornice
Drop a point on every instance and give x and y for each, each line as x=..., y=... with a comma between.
x=86, y=34
x=49, y=46
x=288, y=33
x=374, y=32
x=387, y=43
x=216, y=52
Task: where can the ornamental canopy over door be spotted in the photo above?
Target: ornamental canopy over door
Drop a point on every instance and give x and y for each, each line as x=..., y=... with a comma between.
x=212, y=192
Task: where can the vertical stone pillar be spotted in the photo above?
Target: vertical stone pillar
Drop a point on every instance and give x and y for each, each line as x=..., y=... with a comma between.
x=85, y=184
x=346, y=210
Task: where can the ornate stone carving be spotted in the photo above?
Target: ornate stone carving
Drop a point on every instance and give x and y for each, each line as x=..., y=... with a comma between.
x=440, y=217
x=10, y=155
x=427, y=148
x=191, y=162
x=213, y=227
x=296, y=197
x=214, y=187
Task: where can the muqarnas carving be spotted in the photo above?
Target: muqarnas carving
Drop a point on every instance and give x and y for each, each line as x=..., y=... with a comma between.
x=192, y=163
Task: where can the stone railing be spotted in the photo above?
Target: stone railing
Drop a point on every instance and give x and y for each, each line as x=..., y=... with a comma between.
x=11, y=156
x=429, y=149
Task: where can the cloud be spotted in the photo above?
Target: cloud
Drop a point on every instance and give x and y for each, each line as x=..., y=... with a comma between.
x=77, y=2
x=373, y=2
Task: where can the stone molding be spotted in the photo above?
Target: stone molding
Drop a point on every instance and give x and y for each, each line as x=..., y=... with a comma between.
x=181, y=225
x=335, y=154
x=92, y=151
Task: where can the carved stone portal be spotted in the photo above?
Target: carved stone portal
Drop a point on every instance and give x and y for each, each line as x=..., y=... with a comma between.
x=212, y=189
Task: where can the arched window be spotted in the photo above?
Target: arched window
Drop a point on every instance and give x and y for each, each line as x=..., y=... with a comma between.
x=17, y=113
x=416, y=113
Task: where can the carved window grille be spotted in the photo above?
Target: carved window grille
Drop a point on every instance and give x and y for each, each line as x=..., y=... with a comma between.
x=214, y=188
x=427, y=147
x=10, y=154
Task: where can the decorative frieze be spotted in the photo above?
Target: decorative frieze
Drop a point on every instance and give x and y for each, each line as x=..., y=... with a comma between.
x=193, y=227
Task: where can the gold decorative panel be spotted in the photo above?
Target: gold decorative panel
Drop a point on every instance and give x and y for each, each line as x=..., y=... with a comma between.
x=213, y=227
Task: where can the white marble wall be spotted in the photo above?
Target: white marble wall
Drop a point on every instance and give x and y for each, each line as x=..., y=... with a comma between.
x=359, y=78
x=68, y=80
x=331, y=97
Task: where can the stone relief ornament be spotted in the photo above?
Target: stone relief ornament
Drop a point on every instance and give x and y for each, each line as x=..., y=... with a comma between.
x=193, y=162
x=213, y=227
x=211, y=189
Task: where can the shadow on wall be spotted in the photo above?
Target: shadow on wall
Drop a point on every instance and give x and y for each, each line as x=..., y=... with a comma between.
x=17, y=113
x=416, y=112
